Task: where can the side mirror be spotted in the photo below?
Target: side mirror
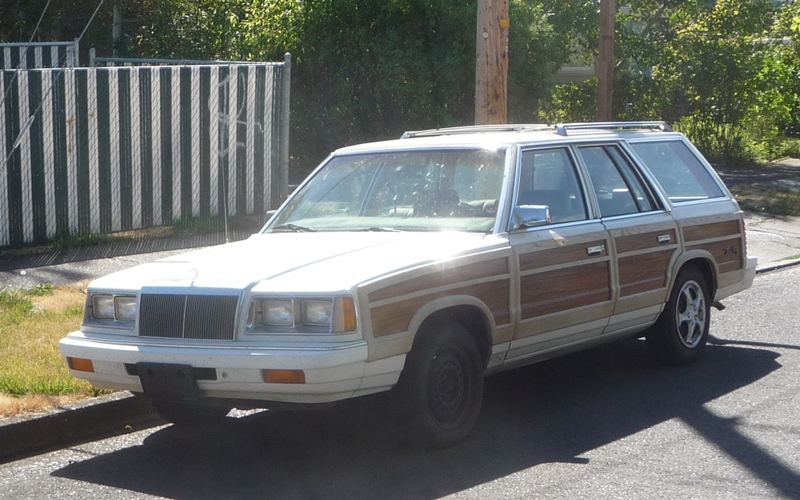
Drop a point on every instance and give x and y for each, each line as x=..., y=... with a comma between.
x=525, y=216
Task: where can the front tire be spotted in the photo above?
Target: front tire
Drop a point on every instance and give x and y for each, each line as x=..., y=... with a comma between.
x=679, y=336
x=441, y=386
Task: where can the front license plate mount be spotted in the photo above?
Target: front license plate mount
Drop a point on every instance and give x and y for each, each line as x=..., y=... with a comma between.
x=168, y=381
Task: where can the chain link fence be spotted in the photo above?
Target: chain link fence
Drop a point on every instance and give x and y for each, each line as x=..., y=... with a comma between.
x=39, y=55
x=101, y=150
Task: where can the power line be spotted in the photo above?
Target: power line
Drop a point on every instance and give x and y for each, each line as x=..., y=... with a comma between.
x=25, y=52
x=60, y=70
x=90, y=20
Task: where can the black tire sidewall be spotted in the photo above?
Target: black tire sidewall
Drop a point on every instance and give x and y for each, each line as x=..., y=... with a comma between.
x=663, y=338
x=450, y=341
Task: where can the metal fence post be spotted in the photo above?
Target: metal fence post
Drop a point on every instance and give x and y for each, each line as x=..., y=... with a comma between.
x=76, y=55
x=285, y=97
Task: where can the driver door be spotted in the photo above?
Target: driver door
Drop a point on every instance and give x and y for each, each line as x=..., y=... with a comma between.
x=564, y=291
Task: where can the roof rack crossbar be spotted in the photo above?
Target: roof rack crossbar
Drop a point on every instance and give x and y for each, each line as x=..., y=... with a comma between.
x=475, y=129
x=564, y=128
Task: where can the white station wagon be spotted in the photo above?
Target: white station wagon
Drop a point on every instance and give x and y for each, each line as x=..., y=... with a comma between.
x=422, y=264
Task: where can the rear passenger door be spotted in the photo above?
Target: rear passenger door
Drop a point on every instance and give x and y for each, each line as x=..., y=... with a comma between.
x=563, y=294
x=643, y=233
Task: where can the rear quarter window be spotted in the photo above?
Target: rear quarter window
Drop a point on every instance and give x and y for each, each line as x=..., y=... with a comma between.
x=682, y=175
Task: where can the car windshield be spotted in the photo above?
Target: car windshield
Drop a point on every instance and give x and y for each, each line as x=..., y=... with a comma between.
x=421, y=190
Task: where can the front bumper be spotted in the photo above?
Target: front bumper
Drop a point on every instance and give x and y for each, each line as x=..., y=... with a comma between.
x=333, y=371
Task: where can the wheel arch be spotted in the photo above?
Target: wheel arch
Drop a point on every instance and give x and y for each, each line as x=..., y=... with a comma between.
x=704, y=262
x=467, y=311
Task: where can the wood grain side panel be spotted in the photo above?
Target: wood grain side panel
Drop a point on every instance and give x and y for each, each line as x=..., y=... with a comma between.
x=727, y=253
x=643, y=241
x=713, y=230
x=487, y=269
x=559, y=255
x=563, y=289
x=642, y=273
x=396, y=317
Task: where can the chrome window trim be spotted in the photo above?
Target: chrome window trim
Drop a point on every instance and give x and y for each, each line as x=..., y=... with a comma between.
x=699, y=156
x=591, y=213
x=646, y=177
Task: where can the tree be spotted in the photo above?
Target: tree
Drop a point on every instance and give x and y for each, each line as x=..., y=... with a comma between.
x=702, y=65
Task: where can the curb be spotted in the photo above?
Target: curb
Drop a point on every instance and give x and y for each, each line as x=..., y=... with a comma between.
x=88, y=420
x=778, y=265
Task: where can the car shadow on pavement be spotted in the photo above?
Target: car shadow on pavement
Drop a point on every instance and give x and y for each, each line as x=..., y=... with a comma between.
x=552, y=412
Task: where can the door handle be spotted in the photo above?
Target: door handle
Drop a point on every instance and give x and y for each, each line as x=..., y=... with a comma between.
x=664, y=239
x=597, y=250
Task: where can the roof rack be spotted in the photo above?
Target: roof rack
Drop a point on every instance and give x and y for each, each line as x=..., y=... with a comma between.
x=476, y=129
x=564, y=128
x=561, y=129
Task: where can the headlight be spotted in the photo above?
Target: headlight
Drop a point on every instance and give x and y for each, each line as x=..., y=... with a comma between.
x=318, y=315
x=278, y=312
x=103, y=306
x=317, y=312
x=126, y=308
x=106, y=306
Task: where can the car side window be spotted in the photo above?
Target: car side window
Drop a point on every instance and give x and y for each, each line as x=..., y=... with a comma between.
x=619, y=189
x=549, y=177
x=678, y=170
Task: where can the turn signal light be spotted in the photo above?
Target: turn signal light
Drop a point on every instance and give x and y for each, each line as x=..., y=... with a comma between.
x=80, y=364
x=284, y=376
x=344, y=318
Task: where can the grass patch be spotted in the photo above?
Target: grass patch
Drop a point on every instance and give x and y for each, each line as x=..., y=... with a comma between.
x=769, y=200
x=31, y=324
x=82, y=240
x=33, y=403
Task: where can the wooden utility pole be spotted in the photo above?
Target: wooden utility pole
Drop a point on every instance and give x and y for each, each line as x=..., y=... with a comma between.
x=116, y=31
x=491, y=68
x=605, y=62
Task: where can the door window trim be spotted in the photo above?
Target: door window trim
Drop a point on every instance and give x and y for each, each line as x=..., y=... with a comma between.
x=580, y=174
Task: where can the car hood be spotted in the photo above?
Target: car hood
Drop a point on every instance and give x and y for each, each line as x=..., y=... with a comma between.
x=298, y=262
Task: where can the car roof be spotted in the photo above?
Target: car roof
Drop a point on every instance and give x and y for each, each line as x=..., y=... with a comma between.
x=492, y=136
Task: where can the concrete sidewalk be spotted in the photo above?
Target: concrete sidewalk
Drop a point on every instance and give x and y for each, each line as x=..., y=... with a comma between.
x=774, y=240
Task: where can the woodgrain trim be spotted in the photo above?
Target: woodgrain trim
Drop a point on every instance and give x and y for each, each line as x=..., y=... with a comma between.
x=467, y=272
x=563, y=289
x=396, y=317
x=727, y=253
x=642, y=273
x=560, y=255
x=643, y=241
x=713, y=230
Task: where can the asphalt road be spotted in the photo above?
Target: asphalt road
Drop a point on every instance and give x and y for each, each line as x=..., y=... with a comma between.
x=604, y=423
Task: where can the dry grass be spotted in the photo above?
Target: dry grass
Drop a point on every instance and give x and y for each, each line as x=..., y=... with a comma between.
x=12, y=406
x=63, y=297
x=31, y=324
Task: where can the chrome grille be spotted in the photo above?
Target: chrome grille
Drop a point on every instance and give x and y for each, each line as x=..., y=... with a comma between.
x=207, y=317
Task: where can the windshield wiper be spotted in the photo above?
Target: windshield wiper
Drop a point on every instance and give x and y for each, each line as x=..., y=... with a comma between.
x=294, y=227
x=381, y=230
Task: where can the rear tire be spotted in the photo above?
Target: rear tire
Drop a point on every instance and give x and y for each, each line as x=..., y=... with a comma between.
x=679, y=336
x=441, y=387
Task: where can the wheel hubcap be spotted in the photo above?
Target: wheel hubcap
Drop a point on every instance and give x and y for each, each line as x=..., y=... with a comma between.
x=446, y=386
x=691, y=314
